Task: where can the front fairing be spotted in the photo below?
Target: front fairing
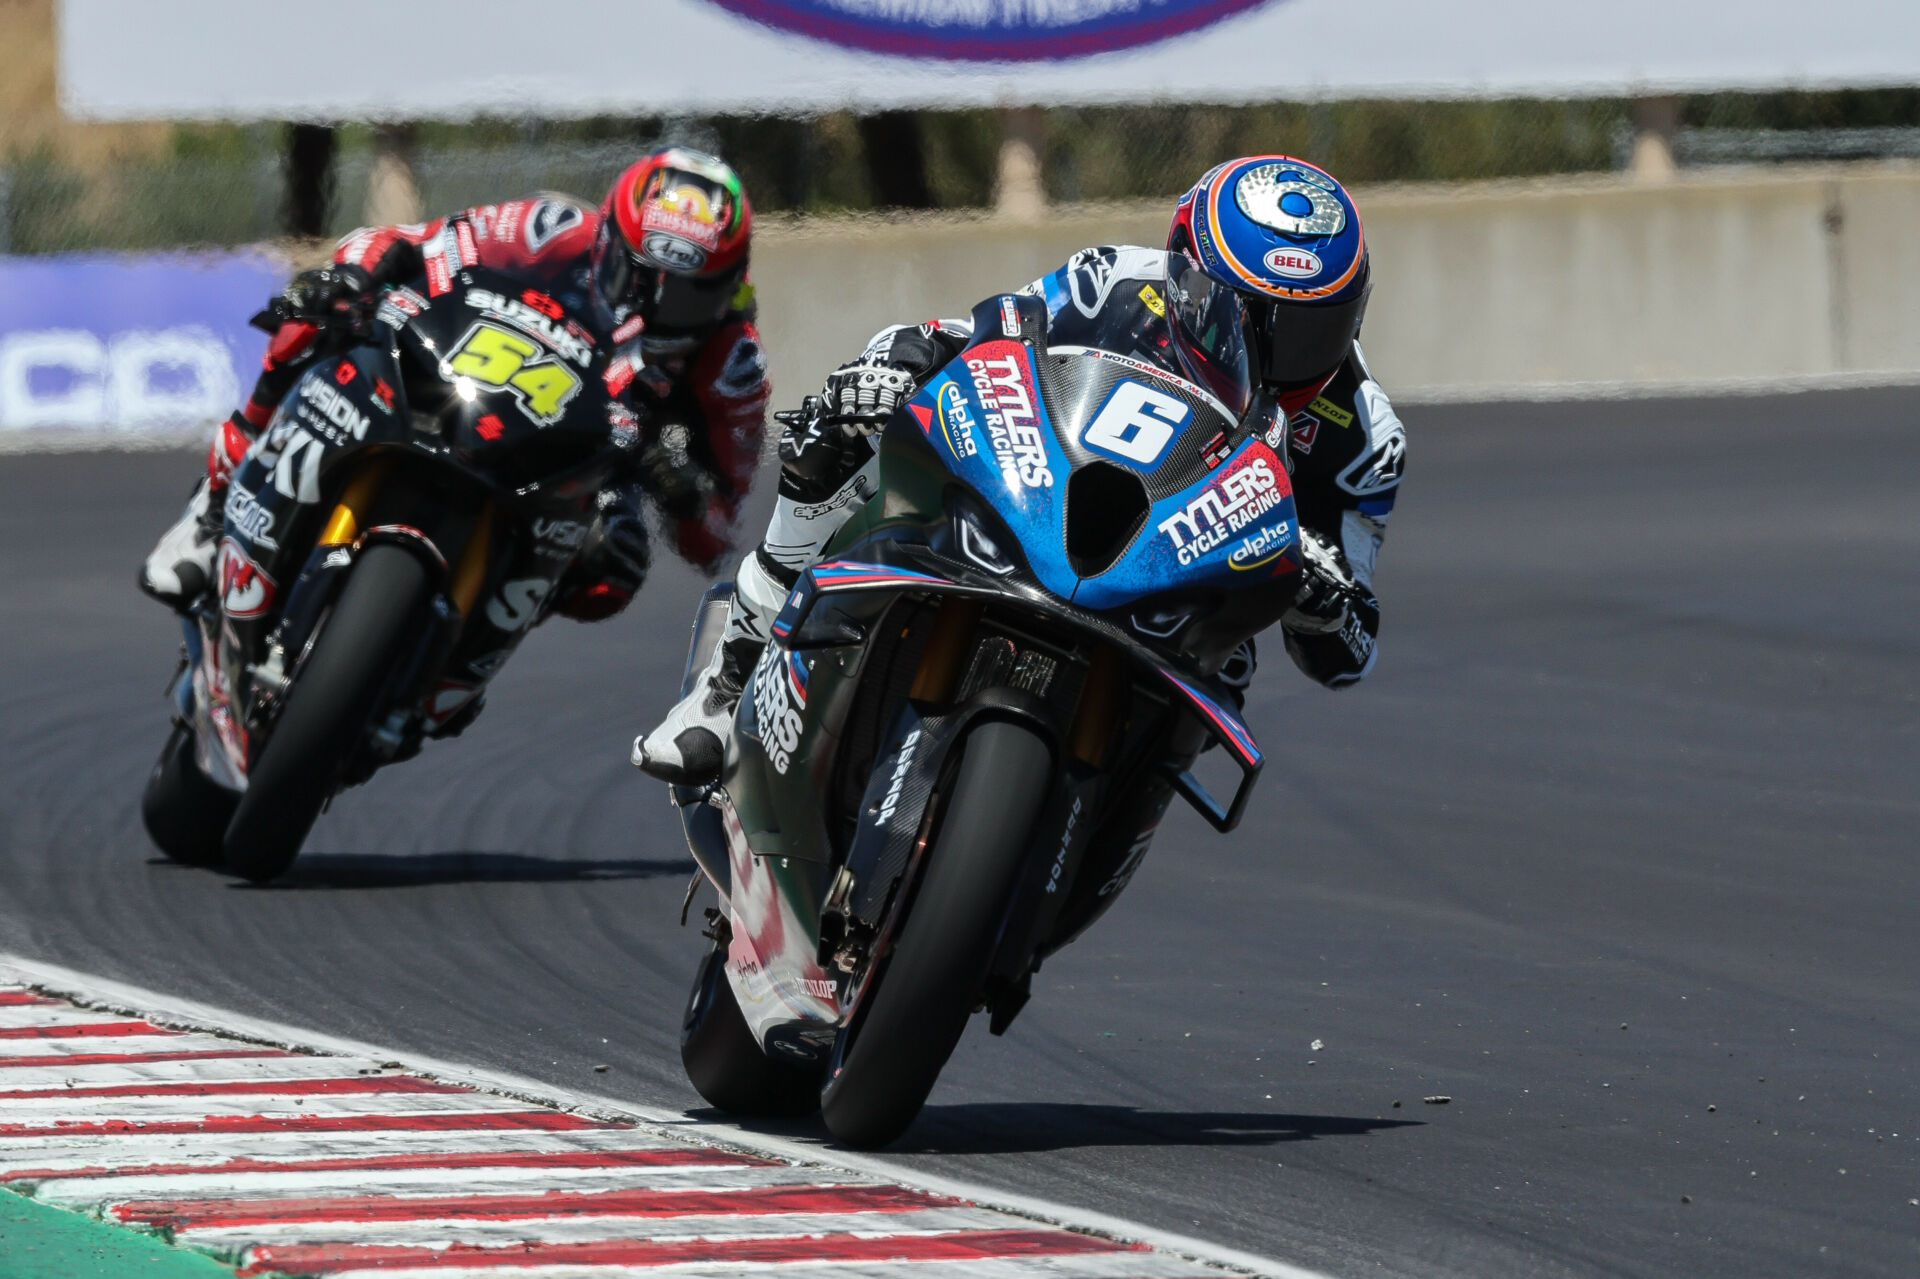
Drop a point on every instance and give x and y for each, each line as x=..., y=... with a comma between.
x=1014, y=422
x=509, y=384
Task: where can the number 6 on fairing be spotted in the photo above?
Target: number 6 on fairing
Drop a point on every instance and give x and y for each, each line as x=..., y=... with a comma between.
x=1137, y=424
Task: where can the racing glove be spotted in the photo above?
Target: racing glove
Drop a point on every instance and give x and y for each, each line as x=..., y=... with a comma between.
x=1327, y=590
x=863, y=395
x=677, y=483
x=338, y=298
x=612, y=565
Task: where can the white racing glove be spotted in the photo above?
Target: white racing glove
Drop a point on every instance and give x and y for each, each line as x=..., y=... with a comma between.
x=863, y=395
x=1327, y=589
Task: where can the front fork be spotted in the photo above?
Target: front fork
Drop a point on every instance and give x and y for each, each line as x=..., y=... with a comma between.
x=353, y=524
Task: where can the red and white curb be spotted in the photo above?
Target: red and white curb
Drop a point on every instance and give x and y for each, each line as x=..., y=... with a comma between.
x=286, y=1152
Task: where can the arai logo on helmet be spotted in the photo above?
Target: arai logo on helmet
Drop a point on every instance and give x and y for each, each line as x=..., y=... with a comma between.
x=1295, y=264
x=969, y=31
x=673, y=252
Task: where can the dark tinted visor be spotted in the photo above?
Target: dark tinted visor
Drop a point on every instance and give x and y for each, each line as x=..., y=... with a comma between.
x=1304, y=341
x=669, y=302
x=680, y=302
x=613, y=266
x=1210, y=325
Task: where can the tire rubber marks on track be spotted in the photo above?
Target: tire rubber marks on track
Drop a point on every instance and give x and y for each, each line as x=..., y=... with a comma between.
x=302, y=1164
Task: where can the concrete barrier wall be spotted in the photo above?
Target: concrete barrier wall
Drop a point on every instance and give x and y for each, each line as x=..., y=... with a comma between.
x=1497, y=289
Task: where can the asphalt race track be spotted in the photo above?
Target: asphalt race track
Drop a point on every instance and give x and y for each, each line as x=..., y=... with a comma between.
x=1616, y=850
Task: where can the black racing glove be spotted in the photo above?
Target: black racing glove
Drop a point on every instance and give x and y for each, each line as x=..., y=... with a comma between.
x=1327, y=590
x=338, y=298
x=677, y=483
x=862, y=396
x=612, y=563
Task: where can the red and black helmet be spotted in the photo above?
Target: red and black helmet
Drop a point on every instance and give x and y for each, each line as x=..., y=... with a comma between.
x=673, y=240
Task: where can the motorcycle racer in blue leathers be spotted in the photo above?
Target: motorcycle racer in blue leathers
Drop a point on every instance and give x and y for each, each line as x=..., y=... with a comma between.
x=1287, y=239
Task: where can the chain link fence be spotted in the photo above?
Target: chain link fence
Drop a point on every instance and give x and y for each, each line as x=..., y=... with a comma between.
x=223, y=185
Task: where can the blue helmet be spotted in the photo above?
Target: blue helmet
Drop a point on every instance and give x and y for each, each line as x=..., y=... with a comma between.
x=1287, y=238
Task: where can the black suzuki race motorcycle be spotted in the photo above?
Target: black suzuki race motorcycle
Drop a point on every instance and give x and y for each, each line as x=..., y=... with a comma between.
x=953, y=754
x=388, y=541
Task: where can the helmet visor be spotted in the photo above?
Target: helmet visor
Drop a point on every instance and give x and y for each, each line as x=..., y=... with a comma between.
x=1302, y=342
x=669, y=301
x=675, y=303
x=1210, y=327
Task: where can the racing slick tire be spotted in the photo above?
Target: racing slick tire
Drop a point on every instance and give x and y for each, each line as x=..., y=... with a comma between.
x=334, y=694
x=889, y=1056
x=185, y=811
x=724, y=1062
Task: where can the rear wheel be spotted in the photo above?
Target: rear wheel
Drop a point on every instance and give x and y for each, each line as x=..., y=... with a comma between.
x=336, y=692
x=724, y=1061
x=888, y=1059
x=185, y=811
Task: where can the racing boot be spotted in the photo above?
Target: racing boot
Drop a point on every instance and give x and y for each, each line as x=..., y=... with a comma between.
x=179, y=569
x=689, y=747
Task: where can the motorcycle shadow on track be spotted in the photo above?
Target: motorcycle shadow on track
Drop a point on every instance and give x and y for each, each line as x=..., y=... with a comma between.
x=374, y=870
x=1036, y=1127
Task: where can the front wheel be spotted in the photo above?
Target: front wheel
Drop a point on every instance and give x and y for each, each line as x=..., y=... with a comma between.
x=374, y=625
x=724, y=1062
x=185, y=811
x=889, y=1058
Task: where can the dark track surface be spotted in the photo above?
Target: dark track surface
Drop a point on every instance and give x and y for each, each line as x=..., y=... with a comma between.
x=1623, y=828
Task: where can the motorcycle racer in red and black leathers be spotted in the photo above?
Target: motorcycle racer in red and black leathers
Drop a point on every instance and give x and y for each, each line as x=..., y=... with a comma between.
x=661, y=266
x=1287, y=240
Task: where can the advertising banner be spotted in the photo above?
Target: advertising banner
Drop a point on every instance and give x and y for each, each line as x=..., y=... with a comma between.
x=141, y=344
x=236, y=59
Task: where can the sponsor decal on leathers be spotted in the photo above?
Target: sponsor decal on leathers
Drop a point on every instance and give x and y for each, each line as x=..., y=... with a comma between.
x=548, y=219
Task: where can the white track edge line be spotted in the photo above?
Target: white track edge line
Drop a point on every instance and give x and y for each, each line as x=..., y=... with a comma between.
x=187, y=1014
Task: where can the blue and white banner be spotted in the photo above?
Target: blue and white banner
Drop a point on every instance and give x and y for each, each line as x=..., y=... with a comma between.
x=128, y=344
x=688, y=57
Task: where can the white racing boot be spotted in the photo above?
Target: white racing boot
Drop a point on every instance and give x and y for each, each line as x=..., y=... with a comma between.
x=180, y=566
x=689, y=747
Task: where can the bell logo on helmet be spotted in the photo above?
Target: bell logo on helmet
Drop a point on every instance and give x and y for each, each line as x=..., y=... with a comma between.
x=1295, y=264
x=1282, y=197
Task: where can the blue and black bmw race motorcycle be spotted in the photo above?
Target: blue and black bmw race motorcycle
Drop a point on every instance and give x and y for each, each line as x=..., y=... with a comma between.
x=976, y=707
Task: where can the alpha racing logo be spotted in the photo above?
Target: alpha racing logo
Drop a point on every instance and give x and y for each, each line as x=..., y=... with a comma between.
x=956, y=420
x=779, y=695
x=1013, y=425
x=1262, y=547
x=1230, y=504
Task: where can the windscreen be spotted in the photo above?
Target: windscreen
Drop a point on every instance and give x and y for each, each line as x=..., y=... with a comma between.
x=1209, y=332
